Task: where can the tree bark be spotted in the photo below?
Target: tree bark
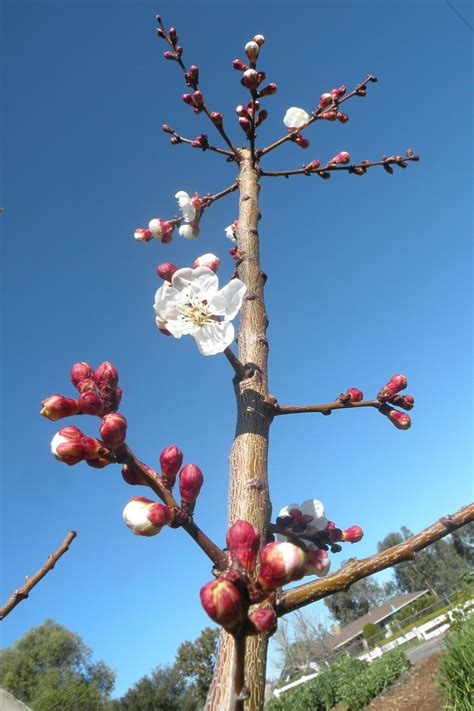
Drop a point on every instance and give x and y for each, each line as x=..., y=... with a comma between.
x=249, y=498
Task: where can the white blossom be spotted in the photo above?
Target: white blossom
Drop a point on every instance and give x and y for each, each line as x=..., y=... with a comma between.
x=230, y=232
x=186, y=206
x=188, y=231
x=295, y=118
x=193, y=305
x=310, y=512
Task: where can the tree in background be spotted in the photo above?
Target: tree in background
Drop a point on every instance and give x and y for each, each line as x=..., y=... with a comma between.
x=161, y=691
x=51, y=668
x=301, y=645
x=195, y=661
x=463, y=543
x=361, y=597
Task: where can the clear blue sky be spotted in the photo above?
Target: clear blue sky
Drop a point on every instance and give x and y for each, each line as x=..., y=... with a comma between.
x=367, y=277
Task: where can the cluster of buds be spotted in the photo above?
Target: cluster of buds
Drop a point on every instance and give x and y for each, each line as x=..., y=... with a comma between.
x=159, y=229
x=166, y=270
x=250, y=114
x=195, y=100
x=388, y=396
x=328, y=108
x=172, y=38
x=72, y=446
x=191, y=208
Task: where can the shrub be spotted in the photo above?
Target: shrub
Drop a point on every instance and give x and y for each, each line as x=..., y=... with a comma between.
x=371, y=632
x=456, y=667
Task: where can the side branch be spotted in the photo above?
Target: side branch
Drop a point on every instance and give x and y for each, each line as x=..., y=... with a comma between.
x=357, y=569
x=323, y=409
x=150, y=478
x=356, y=168
x=22, y=593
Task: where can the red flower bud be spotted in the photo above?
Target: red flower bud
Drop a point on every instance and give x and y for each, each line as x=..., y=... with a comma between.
x=145, y=517
x=300, y=141
x=234, y=253
x=351, y=395
x=106, y=376
x=239, y=65
x=342, y=117
x=170, y=55
x=55, y=407
x=337, y=93
x=171, y=459
x=166, y=270
x=243, y=542
x=263, y=619
x=113, y=430
x=216, y=118
x=342, y=158
x=401, y=420
x=173, y=35
x=223, y=603
x=198, y=100
x=98, y=463
x=245, y=125
x=82, y=377
x=261, y=117
x=131, y=476
x=188, y=99
x=394, y=385
x=325, y=100
x=353, y=534
x=250, y=79
x=190, y=482
x=211, y=261
x=268, y=90
x=329, y=115
x=317, y=561
x=405, y=401
x=142, y=235
x=280, y=563
x=71, y=446
x=90, y=404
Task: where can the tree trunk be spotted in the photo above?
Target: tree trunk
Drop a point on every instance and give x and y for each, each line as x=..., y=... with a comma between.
x=248, y=487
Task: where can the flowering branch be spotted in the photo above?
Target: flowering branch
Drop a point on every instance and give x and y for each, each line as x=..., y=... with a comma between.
x=355, y=570
x=151, y=479
x=332, y=105
x=192, y=79
x=22, y=593
x=356, y=168
x=323, y=409
x=199, y=142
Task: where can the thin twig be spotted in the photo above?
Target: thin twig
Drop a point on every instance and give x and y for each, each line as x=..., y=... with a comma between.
x=22, y=593
x=334, y=168
x=325, y=409
x=239, y=368
x=208, y=147
x=357, y=569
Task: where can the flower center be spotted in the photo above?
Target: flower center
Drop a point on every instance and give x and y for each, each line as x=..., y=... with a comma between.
x=196, y=311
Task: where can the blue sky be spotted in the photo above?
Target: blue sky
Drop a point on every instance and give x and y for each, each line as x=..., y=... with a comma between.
x=367, y=277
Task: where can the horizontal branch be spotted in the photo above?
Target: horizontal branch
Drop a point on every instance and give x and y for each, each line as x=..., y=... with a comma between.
x=150, y=478
x=22, y=593
x=356, y=168
x=188, y=141
x=302, y=595
x=325, y=409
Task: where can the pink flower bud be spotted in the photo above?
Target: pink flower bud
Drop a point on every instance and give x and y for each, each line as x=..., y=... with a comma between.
x=301, y=142
x=173, y=35
x=252, y=50
x=145, y=517
x=106, y=376
x=242, y=110
x=314, y=165
x=71, y=446
x=351, y=395
x=280, y=563
x=113, y=430
x=261, y=117
x=207, y=260
x=245, y=125
x=268, y=90
x=169, y=55
x=250, y=79
x=167, y=232
x=98, y=463
x=239, y=65
x=259, y=39
x=243, y=542
x=354, y=534
x=55, y=407
x=131, y=476
x=90, y=404
x=171, y=459
x=82, y=376
x=395, y=384
x=263, y=619
x=142, y=235
x=337, y=93
x=166, y=128
x=325, y=100
x=188, y=99
x=216, y=118
x=190, y=482
x=223, y=603
x=317, y=561
x=342, y=117
x=405, y=401
x=409, y=152
x=234, y=253
x=329, y=115
x=166, y=270
x=342, y=158
x=401, y=420
x=198, y=99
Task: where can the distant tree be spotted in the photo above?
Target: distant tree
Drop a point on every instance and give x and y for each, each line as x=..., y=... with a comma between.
x=463, y=543
x=361, y=597
x=196, y=661
x=161, y=691
x=437, y=568
x=301, y=645
x=50, y=669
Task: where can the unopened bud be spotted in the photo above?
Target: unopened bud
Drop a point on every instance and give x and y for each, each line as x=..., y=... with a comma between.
x=314, y=165
x=405, y=401
x=145, y=517
x=259, y=39
x=98, y=463
x=317, y=561
x=263, y=619
x=342, y=117
x=354, y=534
x=342, y=158
x=401, y=420
x=166, y=270
x=113, y=430
x=166, y=128
x=171, y=56
x=55, y=407
x=223, y=603
x=409, y=152
x=171, y=460
x=207, y=260
x=301, y=142
x=239, y=65
x=216, y=118
x=261, y=117
x=131, y=476
x=90, y=404
x=395, y=384
x=280, y=563
x=245, y=125
x=351, y=395
x=252, y=50
x=190, y=483
x=329, y=115
x=82, y=376
x=234, y=253
x=250, y=79
x=188, y=99
x=268, y=90
x=106, y=376
x=325, y=100
x=173, y=35
x=243, y=542
x=71, y=446
x=337, y=93
x=198, y=99
x=142, y=235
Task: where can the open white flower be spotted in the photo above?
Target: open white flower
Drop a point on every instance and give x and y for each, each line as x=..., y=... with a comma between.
x=295, y=118
x=186, y=206
x=308, y=517
x=193, y=305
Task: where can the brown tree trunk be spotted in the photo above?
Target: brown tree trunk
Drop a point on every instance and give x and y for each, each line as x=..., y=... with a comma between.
x=248, y=487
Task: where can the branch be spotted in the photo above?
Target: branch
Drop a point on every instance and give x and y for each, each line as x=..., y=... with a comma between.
x=356, y=168
x=357, y=569
x=360, y=90
x=22, y=593
x=150, y=478
x=240, y=370
x=323, y=409
x=239, y=692
x=197, y=143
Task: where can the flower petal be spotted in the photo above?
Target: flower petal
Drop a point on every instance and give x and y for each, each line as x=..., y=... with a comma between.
x=295, y=117
x=214, y=338
x=314, y=508
x=204, y=283
x=181, y=326
x=228, y=300
x=181, y=279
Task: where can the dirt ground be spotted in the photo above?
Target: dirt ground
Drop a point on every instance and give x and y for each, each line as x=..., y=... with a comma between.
x=414, y=691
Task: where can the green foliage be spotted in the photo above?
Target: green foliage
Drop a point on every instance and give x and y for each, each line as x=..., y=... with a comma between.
x=371, y=631
x=349, y=681
x=161, y=691
x=195, y=661
x=50, y=662
x=456, y=667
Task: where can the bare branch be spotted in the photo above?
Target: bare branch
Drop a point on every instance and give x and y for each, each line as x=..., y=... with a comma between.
x=176, y=139
x=323, y=409
x=357, y=569
x=22, y=593
x=356, y=168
